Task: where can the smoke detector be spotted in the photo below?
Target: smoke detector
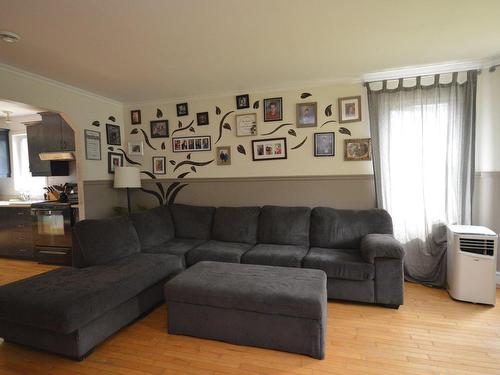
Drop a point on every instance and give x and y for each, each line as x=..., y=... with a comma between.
x=9, y=37
x=7, y=116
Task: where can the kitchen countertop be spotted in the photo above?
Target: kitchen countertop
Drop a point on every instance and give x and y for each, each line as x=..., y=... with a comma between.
x=18, y=203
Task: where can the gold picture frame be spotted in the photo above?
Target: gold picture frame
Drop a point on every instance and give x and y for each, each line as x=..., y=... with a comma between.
x=357, y=149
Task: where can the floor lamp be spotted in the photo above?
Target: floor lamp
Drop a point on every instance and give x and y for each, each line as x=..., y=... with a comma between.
x=129, y=178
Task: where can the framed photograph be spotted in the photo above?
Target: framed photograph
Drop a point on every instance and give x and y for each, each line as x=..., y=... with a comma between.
x=159, y=129
x=324, y=144
x=136, y=148
x=192, y=144
x=114, y=160
x=273, y=109
x=182, y=109
x=113, y=135
x=307, y=115
x=246, y=124
x=202, y=118
x=349, y=109
x=223, y=155
x=92, y=145
x=242, y=101
x=358, y=149
x=269, y=149
x=159, y=165
x=135, y=117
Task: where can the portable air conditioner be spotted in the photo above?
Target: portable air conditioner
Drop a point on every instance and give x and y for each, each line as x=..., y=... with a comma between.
x=472, y=254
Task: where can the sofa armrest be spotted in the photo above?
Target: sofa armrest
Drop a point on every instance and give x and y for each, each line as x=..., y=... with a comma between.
x=380, y=246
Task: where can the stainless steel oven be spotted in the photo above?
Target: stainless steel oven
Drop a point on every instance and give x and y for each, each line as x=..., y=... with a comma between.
x=52, y=238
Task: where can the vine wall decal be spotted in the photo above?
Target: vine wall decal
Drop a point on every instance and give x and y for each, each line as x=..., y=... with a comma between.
x=223, y=124
x=300, y=144
x=181, y=128
x=146, y=138
x=343, y=130
x=278, y=128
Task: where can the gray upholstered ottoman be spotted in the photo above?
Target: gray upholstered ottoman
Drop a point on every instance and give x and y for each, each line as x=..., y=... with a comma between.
x=269, y=307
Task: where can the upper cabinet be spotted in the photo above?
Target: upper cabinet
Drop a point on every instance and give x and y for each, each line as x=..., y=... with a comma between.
x=52, y=134
x=5, y=170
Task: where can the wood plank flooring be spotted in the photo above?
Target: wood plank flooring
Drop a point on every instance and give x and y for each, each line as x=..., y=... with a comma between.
x=430, y=334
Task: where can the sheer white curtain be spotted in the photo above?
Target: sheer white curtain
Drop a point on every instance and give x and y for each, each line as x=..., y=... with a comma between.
x=423, y=152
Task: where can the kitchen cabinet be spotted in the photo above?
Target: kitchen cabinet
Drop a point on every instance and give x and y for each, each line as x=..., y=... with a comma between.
x=16, y=239
x=5, y=170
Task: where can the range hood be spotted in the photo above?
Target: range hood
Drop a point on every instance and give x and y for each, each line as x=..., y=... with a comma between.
x=57, y=156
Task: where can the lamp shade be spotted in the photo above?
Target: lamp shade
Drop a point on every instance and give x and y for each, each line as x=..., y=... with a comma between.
x=127, y=177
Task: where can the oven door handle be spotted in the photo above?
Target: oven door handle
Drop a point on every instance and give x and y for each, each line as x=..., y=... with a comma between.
x=35, y=212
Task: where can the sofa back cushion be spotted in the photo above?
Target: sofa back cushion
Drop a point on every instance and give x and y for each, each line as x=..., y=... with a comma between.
x=192, y=221
x=154, y=227
x=236, y=224
x=284, y=225
x=101, y=241
x=343, y=229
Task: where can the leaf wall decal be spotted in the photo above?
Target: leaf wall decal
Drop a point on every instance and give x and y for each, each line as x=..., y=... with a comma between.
x=112, y=118
x=163, y=147
x=182, y=128
x=172, y=162
x=292, y=132
x=179, y=124
x=159, y=113
x=327, y=122
x=328, y=110
x=278, y=128
x=226, y=126
x=256, y=104
x=221, y=124
x=176, y=191
x=96, y=123
x=111, y=148
x=130, y=161
x=134, y=131
x=193, y=168
x=305, y=95
x=345, y=131
x=188, y=156
x=146, y=139
x=241, y=149
x=300, y=144
x=189, y=162
x=191, y=129
x=217, y=110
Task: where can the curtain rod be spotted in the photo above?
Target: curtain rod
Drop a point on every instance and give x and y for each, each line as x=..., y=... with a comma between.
x=491, y=69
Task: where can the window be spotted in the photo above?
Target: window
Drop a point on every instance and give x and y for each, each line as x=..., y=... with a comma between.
x=23, y=181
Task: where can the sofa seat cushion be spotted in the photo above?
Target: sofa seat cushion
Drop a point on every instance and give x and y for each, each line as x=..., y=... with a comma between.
x=178, y=246
x=236, y=224
x=66, y=299
x=345, y=264
x=154, y=226
x=220, y=251
x=192, y=221
x=284, y=225
x=275, y=255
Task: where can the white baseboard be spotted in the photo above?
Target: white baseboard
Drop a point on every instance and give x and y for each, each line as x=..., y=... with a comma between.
x=498, y=279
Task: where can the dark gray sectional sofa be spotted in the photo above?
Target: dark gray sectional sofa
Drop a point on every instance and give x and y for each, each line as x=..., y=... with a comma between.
x=121, y=264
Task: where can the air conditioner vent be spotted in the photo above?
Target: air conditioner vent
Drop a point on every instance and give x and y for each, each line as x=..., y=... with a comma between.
x=477, y=246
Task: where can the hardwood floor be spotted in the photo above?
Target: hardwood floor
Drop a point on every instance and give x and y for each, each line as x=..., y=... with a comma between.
x=430, y=334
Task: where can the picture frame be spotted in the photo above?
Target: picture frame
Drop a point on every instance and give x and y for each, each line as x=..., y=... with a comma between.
x=202, y=118
x=307, y=115
x=269, y=149
x=273, y=109
x=192, y=144
x=357, y=149
x=159, y=129
x=246, y=124
x=223, y=155
x=159, y=165
x=349, y=109
x=242, y=101
x=324, y=144
x=114, y=160
x=92, y=144
x=182, y=109
x=136, y=148
x=135, y=117
x=113, y=136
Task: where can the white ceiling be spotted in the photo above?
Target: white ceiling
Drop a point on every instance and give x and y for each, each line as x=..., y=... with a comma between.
x=17, y=109
x=145, y=50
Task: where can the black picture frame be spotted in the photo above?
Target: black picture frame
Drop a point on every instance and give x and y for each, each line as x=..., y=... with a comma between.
x=273, y=155
x=135, y=117
x=111, y=157
x=190, y=144
x=164, y=162
x=267, y=110
x=182, y=109
x=242, y=101
x=324, y=152
x=202, y=118
x=159, y=129
x=113, y=136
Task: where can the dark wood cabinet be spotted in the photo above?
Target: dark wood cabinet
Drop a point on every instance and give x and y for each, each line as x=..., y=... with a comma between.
x=16, y=239
x=5, y=169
